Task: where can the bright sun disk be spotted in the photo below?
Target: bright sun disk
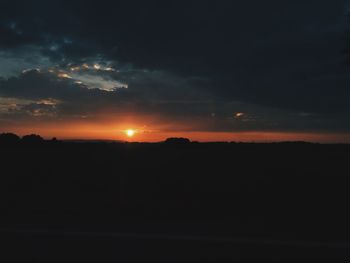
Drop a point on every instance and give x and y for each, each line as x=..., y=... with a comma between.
x=130, y=132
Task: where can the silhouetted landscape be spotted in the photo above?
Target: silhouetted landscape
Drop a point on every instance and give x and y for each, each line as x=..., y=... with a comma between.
x=282, y=200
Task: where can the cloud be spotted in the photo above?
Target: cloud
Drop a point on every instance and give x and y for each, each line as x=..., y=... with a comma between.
x=18, y=59
x=36, y=110
x=46, y=96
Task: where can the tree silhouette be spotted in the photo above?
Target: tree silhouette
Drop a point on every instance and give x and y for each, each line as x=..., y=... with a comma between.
x=9, y=138
x=32, y=139
x=177, y=141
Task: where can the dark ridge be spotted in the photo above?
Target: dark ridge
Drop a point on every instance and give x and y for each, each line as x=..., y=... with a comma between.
x=177, y=141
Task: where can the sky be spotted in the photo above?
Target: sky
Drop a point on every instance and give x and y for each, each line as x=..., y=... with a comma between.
x=207, y=70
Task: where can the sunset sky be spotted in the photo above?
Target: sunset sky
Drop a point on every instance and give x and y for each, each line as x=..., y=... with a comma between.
x=207, y=70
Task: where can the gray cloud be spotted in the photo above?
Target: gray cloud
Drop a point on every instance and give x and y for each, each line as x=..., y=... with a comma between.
x=57, y=98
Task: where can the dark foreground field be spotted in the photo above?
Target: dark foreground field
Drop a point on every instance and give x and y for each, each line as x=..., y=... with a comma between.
x=190, y=202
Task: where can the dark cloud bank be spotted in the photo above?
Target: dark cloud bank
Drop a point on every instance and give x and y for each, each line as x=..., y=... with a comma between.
x=282, y=63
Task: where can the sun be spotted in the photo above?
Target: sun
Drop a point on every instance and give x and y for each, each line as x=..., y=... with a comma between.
x=130, y=133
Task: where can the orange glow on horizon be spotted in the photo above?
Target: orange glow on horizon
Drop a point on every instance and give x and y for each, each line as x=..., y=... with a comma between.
x=143, y=128
x=114, y=132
